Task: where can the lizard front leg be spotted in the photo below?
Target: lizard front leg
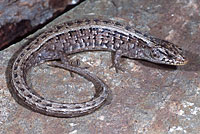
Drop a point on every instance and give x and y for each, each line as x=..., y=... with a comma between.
x=116, y=58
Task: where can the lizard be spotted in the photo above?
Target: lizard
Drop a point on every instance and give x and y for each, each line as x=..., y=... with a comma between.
x=63, y=40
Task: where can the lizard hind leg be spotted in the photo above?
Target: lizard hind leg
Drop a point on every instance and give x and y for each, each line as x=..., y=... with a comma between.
x=66, y=61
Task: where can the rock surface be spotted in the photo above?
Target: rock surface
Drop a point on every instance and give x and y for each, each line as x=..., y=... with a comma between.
x=147, y=98
x=19, y=17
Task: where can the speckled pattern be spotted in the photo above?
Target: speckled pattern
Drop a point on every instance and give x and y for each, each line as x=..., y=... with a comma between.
x=147, y=98
x=67, y=39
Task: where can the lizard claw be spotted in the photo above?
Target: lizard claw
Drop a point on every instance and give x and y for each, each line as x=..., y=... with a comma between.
x=76, y=63
x=117, y=67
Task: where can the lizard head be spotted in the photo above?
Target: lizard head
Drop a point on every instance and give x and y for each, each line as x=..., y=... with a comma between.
x=164, y=52
x=158, y=51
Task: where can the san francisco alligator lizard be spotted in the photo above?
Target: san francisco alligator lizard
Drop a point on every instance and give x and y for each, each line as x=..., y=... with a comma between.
x=80, y=36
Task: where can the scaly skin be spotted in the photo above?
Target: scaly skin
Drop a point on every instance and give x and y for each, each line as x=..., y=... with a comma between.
x=80, y=36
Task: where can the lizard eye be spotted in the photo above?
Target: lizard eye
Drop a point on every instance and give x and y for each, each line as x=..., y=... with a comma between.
x=155, y=54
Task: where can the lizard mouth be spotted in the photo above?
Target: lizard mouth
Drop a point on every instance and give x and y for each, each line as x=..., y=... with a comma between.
x=180, y=62
x=185, y=61
x=176, y=62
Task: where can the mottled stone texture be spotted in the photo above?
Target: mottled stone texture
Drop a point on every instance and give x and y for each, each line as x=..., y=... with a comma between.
x=147, y=98
x=18, y=17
